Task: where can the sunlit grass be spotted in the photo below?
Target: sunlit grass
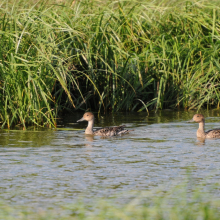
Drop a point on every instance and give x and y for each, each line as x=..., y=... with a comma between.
x=106, y=56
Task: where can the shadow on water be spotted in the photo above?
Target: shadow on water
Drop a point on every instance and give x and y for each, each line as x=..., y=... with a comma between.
x=47, y=167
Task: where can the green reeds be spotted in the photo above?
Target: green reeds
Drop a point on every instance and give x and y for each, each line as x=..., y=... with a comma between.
x=111, y=56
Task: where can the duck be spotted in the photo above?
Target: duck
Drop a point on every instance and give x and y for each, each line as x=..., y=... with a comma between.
x=107, y=131
x=199, y=118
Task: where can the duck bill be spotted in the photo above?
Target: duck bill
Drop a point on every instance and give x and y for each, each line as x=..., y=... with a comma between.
x=82, y=119
x=190, y=121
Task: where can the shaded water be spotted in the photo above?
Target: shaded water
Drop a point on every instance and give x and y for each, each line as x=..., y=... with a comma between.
x=46, y=167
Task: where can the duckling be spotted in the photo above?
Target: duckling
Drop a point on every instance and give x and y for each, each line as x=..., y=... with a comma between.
x=199, y=118
x=107, y=131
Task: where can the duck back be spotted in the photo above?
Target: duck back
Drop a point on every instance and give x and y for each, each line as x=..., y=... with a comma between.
x=111, y=131
x=215, y=133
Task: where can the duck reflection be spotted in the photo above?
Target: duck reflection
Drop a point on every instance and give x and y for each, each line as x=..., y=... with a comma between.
x=201, y=141
x=89, y=138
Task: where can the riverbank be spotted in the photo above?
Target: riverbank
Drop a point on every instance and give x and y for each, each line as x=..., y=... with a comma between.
x=108, y=56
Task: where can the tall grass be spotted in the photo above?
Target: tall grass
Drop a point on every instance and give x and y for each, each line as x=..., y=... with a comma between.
x=106, y=55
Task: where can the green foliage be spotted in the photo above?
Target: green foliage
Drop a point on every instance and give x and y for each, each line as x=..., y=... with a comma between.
x=108, y=55
x=180, y=202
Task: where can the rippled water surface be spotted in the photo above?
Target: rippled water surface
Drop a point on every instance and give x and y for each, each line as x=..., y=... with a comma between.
x=41, y=167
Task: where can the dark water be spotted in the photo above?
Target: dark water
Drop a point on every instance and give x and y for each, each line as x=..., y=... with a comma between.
x=46, y=167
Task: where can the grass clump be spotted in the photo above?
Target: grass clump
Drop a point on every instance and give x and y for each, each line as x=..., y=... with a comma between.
x=177, y=204
x=108, y=55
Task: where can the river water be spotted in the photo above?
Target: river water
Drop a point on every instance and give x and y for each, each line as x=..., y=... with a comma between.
x=44, y=167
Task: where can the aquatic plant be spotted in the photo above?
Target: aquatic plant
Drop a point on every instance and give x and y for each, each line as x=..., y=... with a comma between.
x=108, y=55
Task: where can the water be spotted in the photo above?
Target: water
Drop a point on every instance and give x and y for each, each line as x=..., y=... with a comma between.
x=46, y=167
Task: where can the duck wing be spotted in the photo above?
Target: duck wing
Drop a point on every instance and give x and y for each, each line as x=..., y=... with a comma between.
x=215, y=133
x=111, y=131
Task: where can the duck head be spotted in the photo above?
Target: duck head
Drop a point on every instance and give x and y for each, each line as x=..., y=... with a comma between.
x=88, y=116
x=197, y=118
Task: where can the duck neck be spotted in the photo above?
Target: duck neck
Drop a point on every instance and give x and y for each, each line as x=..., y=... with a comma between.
x=89, y=129
x=201, y=130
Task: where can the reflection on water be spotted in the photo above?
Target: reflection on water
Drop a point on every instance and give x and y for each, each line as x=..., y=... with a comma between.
x=46, y=167
x=201, y=141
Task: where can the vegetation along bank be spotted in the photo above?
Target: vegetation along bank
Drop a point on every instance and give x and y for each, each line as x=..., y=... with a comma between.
x=106, y=56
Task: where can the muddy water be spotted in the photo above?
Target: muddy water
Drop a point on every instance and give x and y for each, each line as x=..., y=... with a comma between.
x=47, y=167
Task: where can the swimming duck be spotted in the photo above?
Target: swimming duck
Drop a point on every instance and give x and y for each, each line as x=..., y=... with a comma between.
x=108, y=131
x=199, y=118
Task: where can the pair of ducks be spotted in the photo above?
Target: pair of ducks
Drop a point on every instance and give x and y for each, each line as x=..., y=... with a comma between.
x=119, y=130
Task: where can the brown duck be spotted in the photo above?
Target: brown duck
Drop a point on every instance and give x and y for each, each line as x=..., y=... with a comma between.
x=199, y=118
x=107, y=131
